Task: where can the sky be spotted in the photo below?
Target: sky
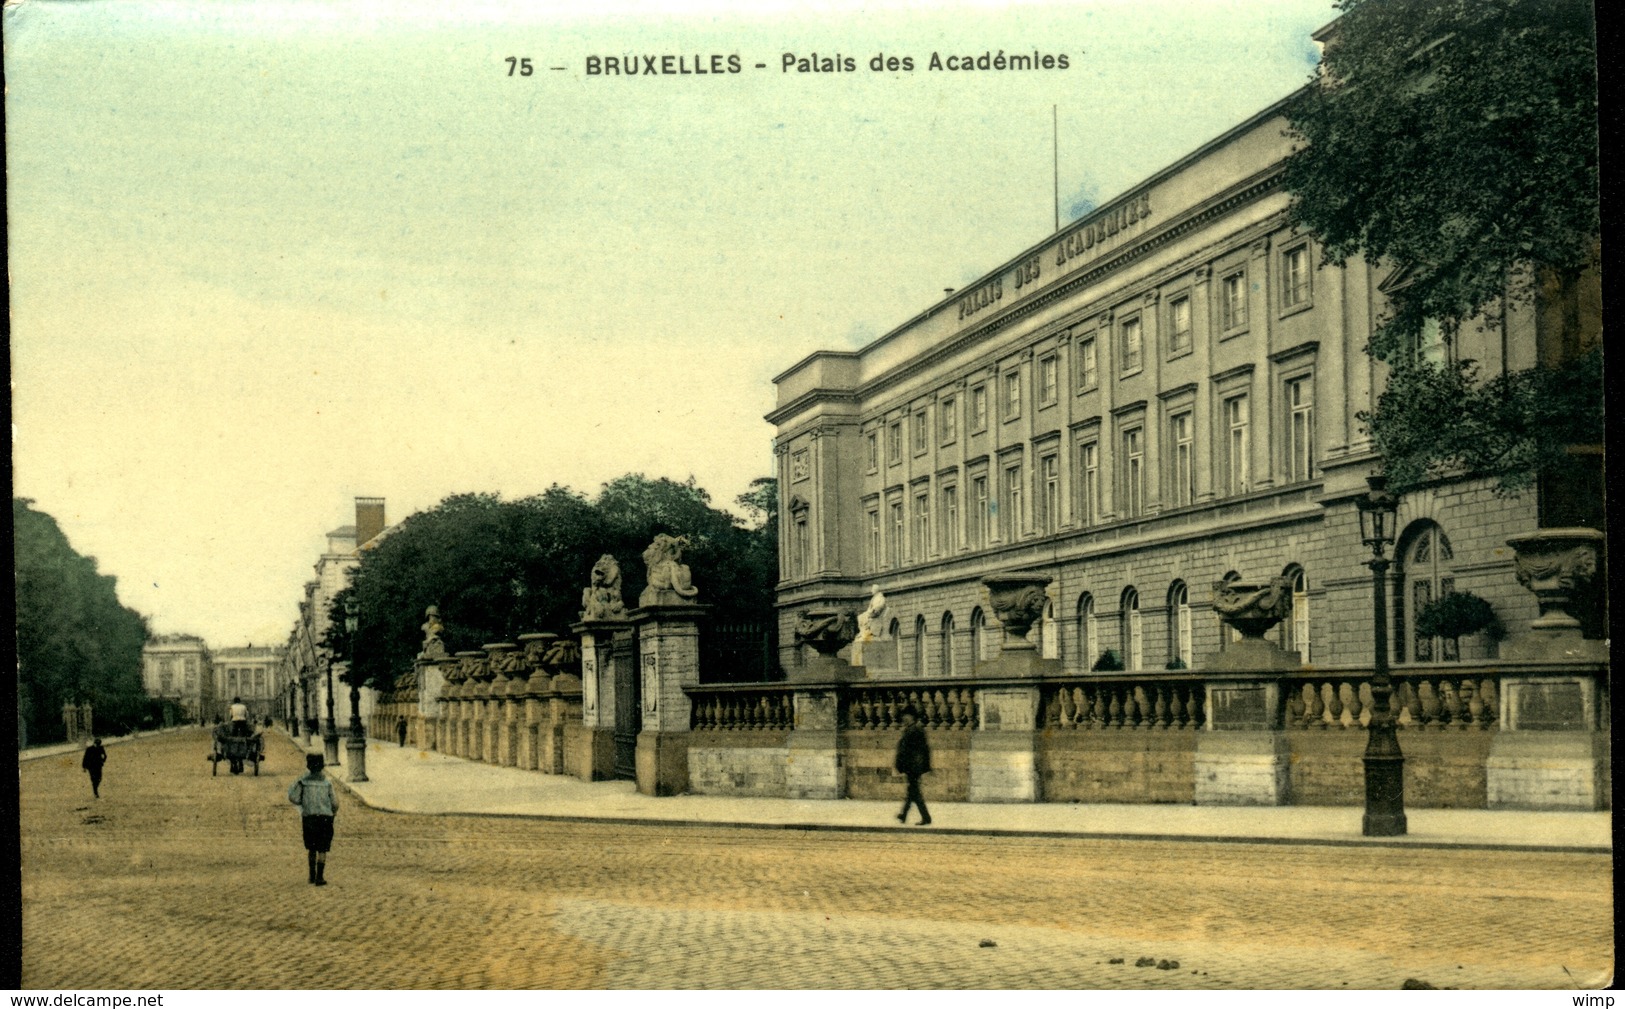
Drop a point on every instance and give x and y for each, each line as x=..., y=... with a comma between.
x=268, y=258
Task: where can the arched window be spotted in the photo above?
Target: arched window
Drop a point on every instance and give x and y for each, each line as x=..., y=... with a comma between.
x=946, y=656
x=1295, y=631
x=1424, y=573
x=919, y=647
x=1133, y=654
x=978, y=635
x=1045, y=635
x=1088, y=634
x=1179, y=625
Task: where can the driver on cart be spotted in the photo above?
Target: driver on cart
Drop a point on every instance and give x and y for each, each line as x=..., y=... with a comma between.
x=239, y=717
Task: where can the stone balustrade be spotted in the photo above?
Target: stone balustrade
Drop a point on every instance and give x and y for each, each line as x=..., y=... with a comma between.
x=742, y=710
x=1098, y=704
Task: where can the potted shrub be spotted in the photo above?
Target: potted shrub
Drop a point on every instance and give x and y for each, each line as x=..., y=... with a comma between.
x=1455, y=615
x=1108, y=662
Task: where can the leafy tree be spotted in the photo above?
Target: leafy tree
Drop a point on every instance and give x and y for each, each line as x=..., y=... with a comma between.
x=1457, y=139
x=498, y=569
x=75, y=641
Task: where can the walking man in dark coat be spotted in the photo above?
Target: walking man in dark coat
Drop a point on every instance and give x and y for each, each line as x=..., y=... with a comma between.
x=913, y=760
x=95, y=757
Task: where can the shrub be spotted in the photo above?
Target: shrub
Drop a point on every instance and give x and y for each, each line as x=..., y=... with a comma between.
x=1109, y=662
x=1457, y=614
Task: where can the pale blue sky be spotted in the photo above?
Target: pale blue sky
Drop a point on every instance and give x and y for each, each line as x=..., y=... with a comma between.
x=269, y=257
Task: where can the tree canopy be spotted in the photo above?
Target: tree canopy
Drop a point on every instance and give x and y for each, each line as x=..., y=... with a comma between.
x=497, y=569
x=75, y=641
x=1457, y=140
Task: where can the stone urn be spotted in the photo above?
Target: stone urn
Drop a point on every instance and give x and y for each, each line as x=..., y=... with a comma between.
x=470, y=669
x=535, y=648
x=826, y=631
x=1253, y=607
x=1018, y=601
x=1559, y=567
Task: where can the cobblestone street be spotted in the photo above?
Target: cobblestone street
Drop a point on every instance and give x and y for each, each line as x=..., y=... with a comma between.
x=176, y=879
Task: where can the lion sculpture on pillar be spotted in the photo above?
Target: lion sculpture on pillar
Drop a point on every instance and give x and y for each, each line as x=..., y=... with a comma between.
x=601, y=599
x=669, y=580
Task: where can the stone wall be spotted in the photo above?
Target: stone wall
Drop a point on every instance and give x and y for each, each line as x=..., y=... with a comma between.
x=1145, y=766
x=1444, y=769
x=737, y=762
x=869, y=754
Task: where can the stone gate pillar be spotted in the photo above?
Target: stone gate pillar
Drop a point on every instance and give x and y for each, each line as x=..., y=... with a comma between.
x=593, y=740
x=1242, y=756
x=669, y=653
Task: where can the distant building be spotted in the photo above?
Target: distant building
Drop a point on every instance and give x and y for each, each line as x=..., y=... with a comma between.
x=180, y=667
x=254, y=673
x=305, y=659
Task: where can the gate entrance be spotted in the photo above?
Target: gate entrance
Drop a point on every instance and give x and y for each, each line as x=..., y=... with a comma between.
x=628, y=705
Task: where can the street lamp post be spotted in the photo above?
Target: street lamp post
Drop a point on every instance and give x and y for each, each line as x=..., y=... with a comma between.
x=330, y=728
x=1384, y=763
x=357, y=744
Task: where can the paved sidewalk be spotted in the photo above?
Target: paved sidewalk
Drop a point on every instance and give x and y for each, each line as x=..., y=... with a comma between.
x=407, y=780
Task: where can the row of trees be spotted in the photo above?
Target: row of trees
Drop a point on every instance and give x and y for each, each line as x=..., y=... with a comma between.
x=75, y=641
x=497, y=569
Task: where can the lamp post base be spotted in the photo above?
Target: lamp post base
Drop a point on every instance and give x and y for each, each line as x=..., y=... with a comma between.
x=358, y=758
x=330, y=749
x=1384, y=797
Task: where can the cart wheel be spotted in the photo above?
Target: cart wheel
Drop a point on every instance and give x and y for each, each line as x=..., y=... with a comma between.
x=214, y=765
x=256, y=768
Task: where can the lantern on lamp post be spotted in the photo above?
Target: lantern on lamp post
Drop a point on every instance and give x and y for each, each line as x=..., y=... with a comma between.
x=1384, y=763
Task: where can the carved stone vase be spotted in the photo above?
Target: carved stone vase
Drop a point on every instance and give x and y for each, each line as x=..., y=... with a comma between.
x=1018, y=601
x=535, y=648
x=1253, y=607
x=1559, y=566
x=826, y=631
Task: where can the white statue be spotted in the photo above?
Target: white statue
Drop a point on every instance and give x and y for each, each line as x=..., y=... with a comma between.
x=868, y=621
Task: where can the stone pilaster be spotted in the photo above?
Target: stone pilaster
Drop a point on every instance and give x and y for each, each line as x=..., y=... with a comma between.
x=1004, y=747
x=669, y=652
x=1550, y=752
x=813, y=768
x=594, y=741
x=1242, y=757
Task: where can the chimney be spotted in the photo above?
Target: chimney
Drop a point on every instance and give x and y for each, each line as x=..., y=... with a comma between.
x=369, y=518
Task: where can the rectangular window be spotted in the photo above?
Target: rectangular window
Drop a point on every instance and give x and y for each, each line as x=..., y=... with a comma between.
x=1295, y=277
x=1133, y=471
x=922, y=524
x=950, y=519
x=873, y=542
x=871, y=449
x=894, y=549
x=982, y=528
x=1179, y=325
x=948, y=419
x=1089, y=483
x=1132, y=356
x=894, y=442
x=922, y=433
x=1049, y=381
x=1431, y=344
x=1088, y=365
x=978, y=408
x=1300, y=429
x=1233, y=301
x=1237, y=445
x=1180, y=430
x=1010, y=507
x=1049, y=494
x=1012, y=394
x=798, y=558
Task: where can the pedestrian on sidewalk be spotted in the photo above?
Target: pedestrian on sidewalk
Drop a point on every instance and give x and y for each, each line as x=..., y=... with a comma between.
x=913, y=760
x=95, y=757
x=400, y=730
x=313, y=794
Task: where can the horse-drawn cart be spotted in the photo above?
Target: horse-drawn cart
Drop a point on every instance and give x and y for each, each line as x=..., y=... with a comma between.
x=236, y=750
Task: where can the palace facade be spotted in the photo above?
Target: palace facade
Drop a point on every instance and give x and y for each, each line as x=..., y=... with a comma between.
x=1164, y=394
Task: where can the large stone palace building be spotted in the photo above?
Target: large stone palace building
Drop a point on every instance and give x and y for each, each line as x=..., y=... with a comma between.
x=180, y=667
x=1163, y=394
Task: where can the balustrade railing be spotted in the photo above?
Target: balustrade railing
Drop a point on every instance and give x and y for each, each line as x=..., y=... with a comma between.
x=944, y=708
x=1420, y=701
x=742, y=709
x=1124, y=704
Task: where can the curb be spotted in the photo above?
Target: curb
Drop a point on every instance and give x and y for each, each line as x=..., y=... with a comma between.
x=841, y=828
